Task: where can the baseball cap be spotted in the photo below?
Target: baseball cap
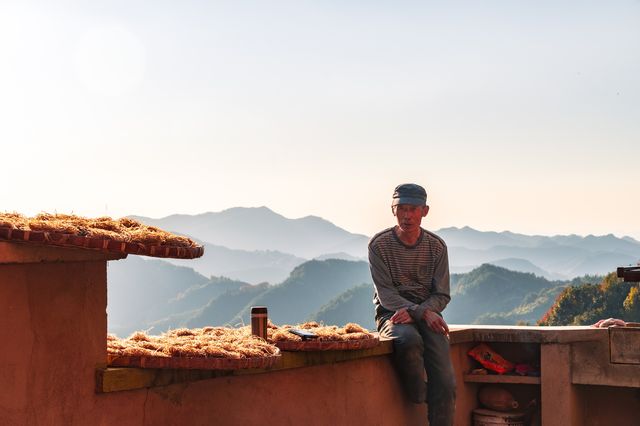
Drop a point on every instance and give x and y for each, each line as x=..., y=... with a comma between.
x=409, y=193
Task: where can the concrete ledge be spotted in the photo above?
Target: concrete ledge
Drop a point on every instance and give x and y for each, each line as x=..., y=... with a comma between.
x=590, y=365
x=524, y=334
x=120, y=379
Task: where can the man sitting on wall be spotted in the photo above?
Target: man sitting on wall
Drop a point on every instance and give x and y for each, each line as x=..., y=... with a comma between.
x=410, y=271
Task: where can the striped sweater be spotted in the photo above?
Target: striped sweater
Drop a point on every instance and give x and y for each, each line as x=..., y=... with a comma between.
x=414, y=277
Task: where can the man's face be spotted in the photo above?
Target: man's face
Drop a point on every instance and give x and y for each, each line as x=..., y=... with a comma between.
x=409, y=217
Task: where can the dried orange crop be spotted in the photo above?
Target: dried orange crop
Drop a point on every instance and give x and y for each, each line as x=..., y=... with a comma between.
x=350, y=331
x=198, y=342
x=124, y=229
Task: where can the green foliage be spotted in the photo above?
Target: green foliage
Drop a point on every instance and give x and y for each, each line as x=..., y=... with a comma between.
x=532, y=307
x=587, y=303
x=632, y=304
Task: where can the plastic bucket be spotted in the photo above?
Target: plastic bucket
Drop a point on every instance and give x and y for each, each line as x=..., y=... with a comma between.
x=484, y=417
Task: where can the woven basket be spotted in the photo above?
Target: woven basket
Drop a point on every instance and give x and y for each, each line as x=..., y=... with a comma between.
x=202, y=363
x=327, y=345
x=102, y=244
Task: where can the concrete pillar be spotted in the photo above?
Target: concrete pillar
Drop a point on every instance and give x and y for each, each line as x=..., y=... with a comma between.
x=53, y=315
x=559, y=400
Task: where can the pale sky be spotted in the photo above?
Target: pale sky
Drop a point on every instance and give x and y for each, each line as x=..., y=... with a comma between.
x=515, y=115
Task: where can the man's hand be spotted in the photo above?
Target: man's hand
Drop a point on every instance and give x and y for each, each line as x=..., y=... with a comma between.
x=401, y=317
x=435, y=322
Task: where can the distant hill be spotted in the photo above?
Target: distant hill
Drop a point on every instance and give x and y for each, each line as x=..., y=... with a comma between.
x=482, y=240
x=152, y=293
x=196, y=296
x=224, y=309
x=260, y=228
x=140, y=290
x=486, y=295
x=528, y=312
x=587, y=303
x=309, y=287
x=343, y=256
x=257, y=244
x=251, y=266
x=560, y=257
x=353, y=305
x=491, y=289
x=523, y=265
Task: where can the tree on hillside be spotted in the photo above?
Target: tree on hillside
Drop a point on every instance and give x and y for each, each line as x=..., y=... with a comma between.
x=586, y=304
x=632, y=304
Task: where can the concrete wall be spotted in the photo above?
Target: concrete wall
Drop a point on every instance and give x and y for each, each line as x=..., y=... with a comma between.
x=53, y=332
x=53, y=323
x=361, y=392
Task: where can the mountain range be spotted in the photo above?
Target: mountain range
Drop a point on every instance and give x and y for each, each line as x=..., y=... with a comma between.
x=332, y=291
x=309, y=269
x=258, y=244
x=136, y=303
x=260, y=228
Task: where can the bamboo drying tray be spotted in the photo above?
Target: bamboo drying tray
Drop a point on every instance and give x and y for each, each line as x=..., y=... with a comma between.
x=125, y=236
x=208, y=348
x=328, y=338
x=328, y=345
x=211, y=363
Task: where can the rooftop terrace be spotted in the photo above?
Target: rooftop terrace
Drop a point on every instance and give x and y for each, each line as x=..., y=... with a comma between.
x=54, y=366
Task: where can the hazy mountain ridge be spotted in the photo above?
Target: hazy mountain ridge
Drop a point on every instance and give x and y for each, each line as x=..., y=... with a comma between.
x=564, y=261
x=194, y=296
x=308, y=288
x=259, y=228
x=140, y=291
x=251, y=266
x=257, y=244
x=474, y=239
x=490, y=289
x=353, y=305
x=332, y=291
x=221, y=301
x=145, y=293
x=225, y=309
x=513, y=264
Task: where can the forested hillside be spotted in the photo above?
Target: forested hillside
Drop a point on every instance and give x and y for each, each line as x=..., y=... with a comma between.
x=354, y=305
x=585, y=304
x=259, y=245
x=308, y=288
x=146, y=294
x=489, y=294
x=140, y=291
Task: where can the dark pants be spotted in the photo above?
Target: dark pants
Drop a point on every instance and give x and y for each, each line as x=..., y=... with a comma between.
x=417, y=349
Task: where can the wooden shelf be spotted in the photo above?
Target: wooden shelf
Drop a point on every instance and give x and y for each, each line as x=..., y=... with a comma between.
x=496, y=378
